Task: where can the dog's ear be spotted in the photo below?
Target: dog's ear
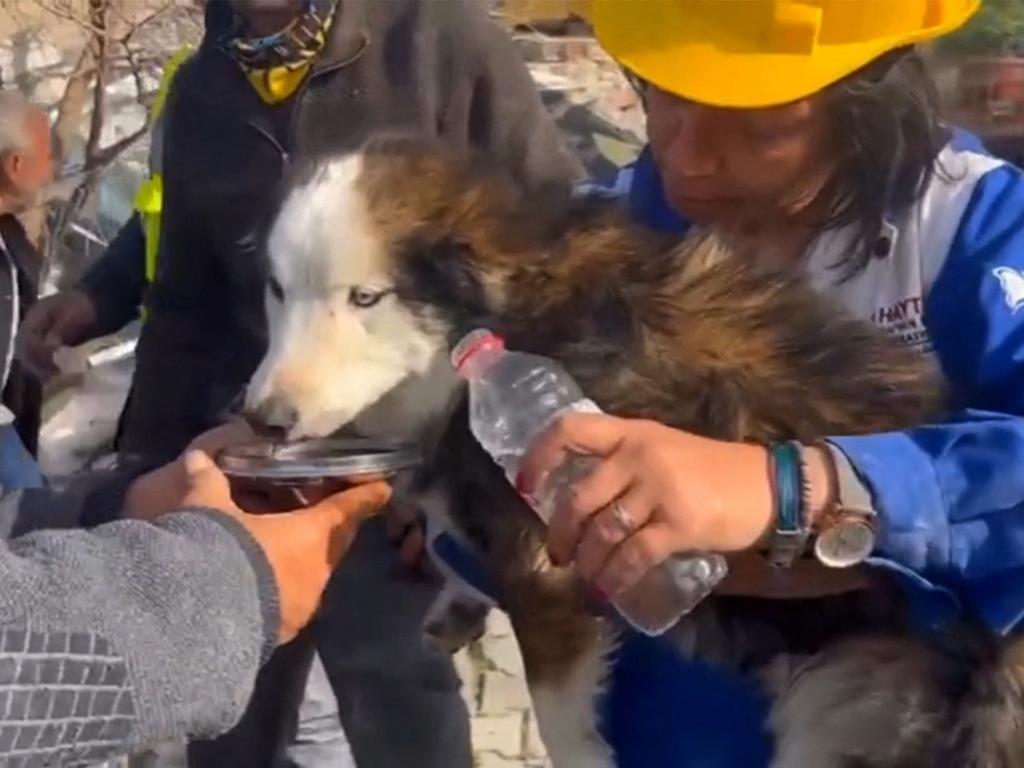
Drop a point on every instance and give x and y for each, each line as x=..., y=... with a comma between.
x=441, y=273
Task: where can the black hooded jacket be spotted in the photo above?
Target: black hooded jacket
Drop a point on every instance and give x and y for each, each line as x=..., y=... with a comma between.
x=443, y=68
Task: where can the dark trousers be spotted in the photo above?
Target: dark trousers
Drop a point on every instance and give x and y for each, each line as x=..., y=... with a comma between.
x=398, y=698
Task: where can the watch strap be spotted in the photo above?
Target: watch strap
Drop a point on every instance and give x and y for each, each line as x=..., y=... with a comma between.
x=852, y=495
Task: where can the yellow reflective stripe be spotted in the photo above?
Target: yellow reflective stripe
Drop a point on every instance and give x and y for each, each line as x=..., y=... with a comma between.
x=150, y=197
x=151, y=237
x=149, y=200
x=151, y=228
x=160, y=100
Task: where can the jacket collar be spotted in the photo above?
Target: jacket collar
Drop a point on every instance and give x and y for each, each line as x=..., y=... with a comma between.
x=347, y=39
x=646, y=200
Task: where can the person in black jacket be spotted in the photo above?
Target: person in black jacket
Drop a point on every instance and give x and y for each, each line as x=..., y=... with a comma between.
x=331, y=74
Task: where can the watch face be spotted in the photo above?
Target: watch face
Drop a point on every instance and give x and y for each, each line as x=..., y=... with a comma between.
x=845, y=544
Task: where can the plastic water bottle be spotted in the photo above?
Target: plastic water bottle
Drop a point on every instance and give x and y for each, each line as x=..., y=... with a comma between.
x=512, y=397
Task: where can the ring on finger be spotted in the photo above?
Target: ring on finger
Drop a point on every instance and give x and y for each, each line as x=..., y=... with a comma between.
x=622, y=517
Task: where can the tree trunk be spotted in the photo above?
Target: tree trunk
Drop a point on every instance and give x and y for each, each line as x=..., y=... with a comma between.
x=98, y=48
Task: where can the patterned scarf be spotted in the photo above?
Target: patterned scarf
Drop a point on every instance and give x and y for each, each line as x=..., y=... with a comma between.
x=277, y=64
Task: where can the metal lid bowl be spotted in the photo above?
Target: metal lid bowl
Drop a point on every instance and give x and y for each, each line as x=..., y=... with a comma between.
x=355, y=460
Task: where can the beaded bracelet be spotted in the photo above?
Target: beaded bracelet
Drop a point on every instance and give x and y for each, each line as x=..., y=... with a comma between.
x=790, y=488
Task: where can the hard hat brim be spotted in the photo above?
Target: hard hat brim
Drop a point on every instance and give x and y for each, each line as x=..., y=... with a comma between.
x=762, y=80
x=726, y=73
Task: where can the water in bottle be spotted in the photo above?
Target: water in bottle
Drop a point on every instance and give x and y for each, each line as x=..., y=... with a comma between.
x=512, y=397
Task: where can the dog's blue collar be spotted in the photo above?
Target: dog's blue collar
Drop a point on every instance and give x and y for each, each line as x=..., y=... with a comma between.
x=460, y=561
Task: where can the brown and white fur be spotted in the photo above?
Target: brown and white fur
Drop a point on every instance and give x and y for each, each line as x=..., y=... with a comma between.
x=382, y=258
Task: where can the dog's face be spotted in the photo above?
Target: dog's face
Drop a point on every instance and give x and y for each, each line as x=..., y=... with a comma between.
x=340, y=337
x=369, y=280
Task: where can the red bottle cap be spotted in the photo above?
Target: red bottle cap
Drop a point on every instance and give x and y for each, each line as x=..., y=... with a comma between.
x=472, y=344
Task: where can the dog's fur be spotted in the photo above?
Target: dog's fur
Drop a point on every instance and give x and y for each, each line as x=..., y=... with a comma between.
x=383, y=258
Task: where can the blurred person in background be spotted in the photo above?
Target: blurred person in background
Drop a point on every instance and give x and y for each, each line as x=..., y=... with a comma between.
x=25, y=170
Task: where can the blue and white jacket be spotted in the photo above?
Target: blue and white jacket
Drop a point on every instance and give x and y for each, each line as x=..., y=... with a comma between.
x=950, y=496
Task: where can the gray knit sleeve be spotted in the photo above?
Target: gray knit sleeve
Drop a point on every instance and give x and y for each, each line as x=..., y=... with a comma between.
x=128, y=634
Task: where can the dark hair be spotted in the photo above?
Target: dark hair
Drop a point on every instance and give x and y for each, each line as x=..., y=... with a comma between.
x=887, y=135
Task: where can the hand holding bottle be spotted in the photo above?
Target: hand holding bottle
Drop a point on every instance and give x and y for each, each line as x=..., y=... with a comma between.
x=513, y=398
x=654, y=491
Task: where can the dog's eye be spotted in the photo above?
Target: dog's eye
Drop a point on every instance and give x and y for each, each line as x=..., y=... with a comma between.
x=275, y=288
x=364, y=297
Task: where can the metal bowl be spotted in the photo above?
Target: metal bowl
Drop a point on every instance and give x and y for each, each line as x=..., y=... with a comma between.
x=352, y=461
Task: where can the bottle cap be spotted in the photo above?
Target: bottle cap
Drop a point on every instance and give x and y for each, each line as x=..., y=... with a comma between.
x=472, y=344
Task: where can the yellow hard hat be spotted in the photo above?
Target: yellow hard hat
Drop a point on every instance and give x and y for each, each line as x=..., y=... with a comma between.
x=759, y=53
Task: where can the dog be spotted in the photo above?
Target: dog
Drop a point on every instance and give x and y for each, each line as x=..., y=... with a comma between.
x=380, y=260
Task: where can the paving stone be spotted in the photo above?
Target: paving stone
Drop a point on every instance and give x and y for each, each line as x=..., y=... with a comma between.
x=502, y=734
x=494, y=760
x=503, y=654
x=503, y=693
x=498, y=625
x=534, y=747
x=466, y=668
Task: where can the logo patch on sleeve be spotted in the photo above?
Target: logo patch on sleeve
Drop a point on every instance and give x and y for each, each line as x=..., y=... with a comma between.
x=1012, y=282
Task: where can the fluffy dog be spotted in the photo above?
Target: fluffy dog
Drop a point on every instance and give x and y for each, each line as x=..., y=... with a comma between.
x=382, y=259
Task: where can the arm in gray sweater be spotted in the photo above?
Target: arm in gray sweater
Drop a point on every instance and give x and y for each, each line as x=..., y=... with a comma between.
x=126, y=634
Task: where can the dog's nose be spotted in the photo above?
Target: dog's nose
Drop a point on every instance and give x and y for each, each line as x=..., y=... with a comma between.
x=273, y=413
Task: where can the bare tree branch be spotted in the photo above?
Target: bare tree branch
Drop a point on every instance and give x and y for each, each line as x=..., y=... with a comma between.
x=106, y=155
x=63, y=216
x=98, y=45
x=116, y=15
x=136, y=25
x=136, y=72
x=64, y=12
x=72, y=103
x=121, y=38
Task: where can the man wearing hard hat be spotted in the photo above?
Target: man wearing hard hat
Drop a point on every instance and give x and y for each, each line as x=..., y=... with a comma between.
x=808, y=132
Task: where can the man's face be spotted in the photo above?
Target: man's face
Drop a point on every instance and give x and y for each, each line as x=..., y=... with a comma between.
x=271, y=14
x=734, y=167
x=26, y=172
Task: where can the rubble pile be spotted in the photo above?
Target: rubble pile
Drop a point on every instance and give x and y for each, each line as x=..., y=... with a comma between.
x=597, y=108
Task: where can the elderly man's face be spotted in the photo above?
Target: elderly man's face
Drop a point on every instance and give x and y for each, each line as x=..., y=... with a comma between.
x=26, y=172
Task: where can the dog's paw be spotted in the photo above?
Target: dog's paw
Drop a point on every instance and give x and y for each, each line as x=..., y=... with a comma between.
x=454, y=621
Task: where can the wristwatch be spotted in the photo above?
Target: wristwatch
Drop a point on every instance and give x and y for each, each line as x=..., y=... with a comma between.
x=844, y=534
